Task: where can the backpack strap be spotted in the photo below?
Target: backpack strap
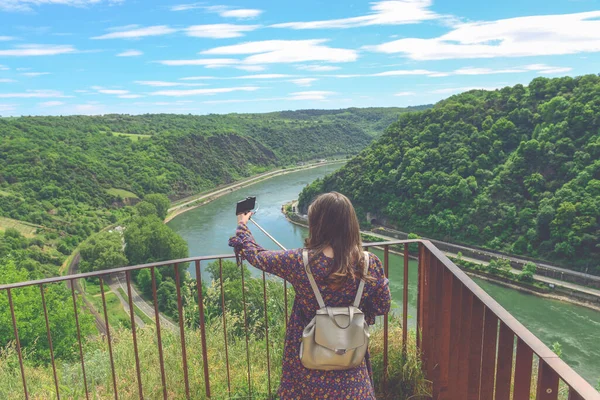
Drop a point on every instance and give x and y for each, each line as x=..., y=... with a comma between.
x=311, y=278
x=361, y=285
x=315, y=288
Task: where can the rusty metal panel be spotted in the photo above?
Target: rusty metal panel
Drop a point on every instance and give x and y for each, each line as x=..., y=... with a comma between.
x=523, y=370
x=446, y=321
x=547, y=387
x=504, y=366
x=475, y=350
x=455, y=334
x=488, y=356
x=465, y=344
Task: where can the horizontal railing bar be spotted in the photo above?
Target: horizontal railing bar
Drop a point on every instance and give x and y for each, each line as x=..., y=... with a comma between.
x=566, y=373
x=96, y=274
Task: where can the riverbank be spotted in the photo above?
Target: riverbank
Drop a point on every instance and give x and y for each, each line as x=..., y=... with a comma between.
x=556, y=289
x=204, y=198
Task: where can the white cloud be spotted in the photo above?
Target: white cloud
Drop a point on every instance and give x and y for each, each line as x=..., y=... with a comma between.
x=27, y=5
x=51, y=104
x=166, y=84
x=304, y=81
x=113, y=91
x=263, y=76
x=286, y=51
x=251, y=68
x=242, y=13
x=130, y=96
x=185, y=7
x=3, y=68
x=196, y=78
x=33, y=94
x=7, y=107
x=219, y=31
x=6, y=80
x=6, y=38
x=135, y=32
x=514, y=37
x=204, y=92
x=130, y=53
x=208, y=62
x=405, y=94
x=404, y=72
x=390, y=12
x=317, y=68
x=310, y=95
x=37, y=50
x=34, y=74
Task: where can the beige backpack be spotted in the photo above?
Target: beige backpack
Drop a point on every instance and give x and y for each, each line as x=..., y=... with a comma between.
x=337, y=338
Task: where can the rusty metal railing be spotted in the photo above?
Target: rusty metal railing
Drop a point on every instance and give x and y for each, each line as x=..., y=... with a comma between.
x=467, y=340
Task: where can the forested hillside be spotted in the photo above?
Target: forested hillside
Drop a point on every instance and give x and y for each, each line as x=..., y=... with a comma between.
x=516, y=169
x=71, y=175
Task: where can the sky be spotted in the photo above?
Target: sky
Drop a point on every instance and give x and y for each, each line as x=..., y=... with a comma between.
x=64, y=57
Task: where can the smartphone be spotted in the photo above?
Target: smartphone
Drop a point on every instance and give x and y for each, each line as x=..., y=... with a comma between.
x=245, y=205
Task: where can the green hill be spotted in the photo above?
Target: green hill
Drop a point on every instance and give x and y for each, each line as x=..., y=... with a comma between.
x=74, y=174
x=515, y=169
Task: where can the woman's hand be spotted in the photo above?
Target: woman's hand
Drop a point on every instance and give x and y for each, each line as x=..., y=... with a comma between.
x=244, y=218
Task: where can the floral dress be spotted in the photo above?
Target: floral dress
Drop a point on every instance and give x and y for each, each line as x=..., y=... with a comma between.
x=298, y=382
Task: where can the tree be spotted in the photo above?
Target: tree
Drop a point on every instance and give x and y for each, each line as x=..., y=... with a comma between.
x=146, y=209
x=161, y=202
x=144, y=280
x=526, y=275
x=167, y=298
x=103, y=251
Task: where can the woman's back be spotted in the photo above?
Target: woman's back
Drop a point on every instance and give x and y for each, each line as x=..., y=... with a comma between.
x=333, y=229
x=298, y=382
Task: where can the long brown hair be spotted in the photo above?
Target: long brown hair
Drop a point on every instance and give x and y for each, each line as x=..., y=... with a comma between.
x=332, y=222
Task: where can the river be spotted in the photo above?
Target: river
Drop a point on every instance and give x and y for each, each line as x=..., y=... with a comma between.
x=207, y=228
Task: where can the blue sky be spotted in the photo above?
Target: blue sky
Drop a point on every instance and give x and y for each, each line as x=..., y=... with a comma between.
x=62, y=57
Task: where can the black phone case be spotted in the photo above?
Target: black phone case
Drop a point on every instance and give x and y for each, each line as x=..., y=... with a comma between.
x=245, y=205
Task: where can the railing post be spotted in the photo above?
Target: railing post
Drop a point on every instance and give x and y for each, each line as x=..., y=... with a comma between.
x=49, y=342
x=108, y=339
x=404, y=301
x=224, y=326
x=386, y=262
x=202, y=329
x=87, y=396
x=16, y=332
x=134, y=335
x=182, y=331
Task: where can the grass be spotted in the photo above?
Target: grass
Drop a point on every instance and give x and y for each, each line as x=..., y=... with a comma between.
x=117, y=317
x=136, y=310
x=405, y=373
x=125, y=194
x=25, y=228
x=134, y=137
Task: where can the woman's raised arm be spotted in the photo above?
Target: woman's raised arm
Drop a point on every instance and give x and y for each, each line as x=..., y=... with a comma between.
x=282, y=263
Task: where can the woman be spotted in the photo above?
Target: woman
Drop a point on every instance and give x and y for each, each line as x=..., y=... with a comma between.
x=336, y=261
